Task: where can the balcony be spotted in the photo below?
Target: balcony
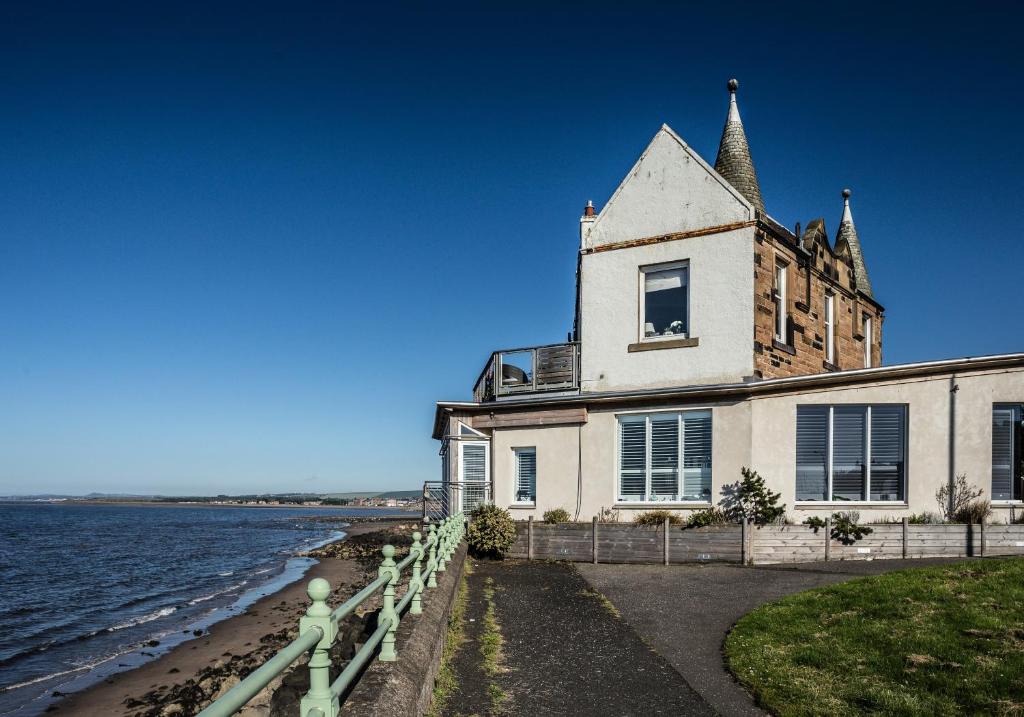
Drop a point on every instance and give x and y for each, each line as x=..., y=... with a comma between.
x=536, y=369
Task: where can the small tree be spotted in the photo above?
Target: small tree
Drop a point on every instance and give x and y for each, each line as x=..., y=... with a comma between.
x=955, y=498
x=492, y=532
x=750, y=500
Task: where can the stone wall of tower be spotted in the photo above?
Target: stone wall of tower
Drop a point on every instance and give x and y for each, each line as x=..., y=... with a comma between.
x=804, y=351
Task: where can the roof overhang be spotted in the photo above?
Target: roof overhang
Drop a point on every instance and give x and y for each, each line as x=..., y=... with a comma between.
x=737, y=391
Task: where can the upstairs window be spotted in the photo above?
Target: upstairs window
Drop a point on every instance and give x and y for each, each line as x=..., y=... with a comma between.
x=665, y=457
x=851, y=453
x=779, y=295
x=526, y=475
x=830, y=328
x=868, y=340
x=665, y=301
x=1008, y=452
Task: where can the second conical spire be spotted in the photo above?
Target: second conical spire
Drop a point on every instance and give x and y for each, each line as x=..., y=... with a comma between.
x=734, y=162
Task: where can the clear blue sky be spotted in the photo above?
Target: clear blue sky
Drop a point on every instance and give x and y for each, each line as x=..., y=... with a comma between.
x=245, y=248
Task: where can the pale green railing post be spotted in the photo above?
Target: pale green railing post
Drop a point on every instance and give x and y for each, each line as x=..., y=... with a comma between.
x=318, y=616
x=442, y=541
x=432, y=562
x=387, y=612
x=416, y=581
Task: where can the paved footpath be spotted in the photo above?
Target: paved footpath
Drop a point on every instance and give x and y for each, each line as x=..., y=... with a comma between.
x=564, y=652
x=685, y=611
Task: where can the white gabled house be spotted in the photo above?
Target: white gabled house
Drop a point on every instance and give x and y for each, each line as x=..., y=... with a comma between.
x=707, y=338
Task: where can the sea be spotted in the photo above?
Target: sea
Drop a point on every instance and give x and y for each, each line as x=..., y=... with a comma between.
x=87, y=590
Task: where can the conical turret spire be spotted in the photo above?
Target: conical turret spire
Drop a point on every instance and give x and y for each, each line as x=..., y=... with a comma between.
x=734, y=162
x=847, y=241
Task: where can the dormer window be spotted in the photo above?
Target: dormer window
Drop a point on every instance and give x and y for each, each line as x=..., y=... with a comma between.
x=664, y=305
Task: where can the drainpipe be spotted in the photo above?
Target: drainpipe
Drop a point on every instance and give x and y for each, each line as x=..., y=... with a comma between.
x=953, y=389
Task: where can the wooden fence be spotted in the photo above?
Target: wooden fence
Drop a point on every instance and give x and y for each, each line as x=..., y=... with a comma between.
x=627, y=543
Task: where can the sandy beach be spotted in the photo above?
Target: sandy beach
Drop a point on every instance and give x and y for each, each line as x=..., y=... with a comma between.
x=192, y=674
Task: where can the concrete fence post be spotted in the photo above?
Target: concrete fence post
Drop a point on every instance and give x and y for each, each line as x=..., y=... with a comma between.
x=387, y=612
x=593, y=540
x=906, y=535
x=666, y=540
x=828, y=537
x=529, y=538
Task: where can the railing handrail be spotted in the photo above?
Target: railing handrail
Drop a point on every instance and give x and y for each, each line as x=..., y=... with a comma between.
x=491, y=360
x=319, y=627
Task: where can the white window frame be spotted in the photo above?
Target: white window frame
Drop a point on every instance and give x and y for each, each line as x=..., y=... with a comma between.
x=516, y=452
x=830, y=502
x=779, y=293
x=642, y=300
x=830, y=327
x=462, y=471
x=1013, y=459
x=636, y=416
x=868, y=339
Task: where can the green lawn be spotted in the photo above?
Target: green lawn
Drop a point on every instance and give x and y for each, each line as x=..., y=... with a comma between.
x=945, y=640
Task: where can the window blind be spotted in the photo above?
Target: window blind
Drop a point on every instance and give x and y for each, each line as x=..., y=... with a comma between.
x=812, y=452
x=849, y=425
x=1002, y=453
x=526, y=475
x=696, y=456
x=633, y=459
x=888, y=438
x=665, y=457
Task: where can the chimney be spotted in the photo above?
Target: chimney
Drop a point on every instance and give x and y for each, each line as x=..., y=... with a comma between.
x=587, y=220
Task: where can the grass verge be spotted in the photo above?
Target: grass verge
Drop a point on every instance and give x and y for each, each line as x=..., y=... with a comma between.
x=944, y=640
x=491, y=643
x=447, y=684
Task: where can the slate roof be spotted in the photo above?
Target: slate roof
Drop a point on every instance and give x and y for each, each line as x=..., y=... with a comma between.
x=734, y=162
x=847, y=242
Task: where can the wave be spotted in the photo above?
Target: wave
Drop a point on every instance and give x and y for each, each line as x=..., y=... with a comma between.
x=226, y=573
x=79, y=668
x=162, y=612
x=212, y=595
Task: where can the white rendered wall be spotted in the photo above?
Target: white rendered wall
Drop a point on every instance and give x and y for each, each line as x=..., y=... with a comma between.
x=669, y=190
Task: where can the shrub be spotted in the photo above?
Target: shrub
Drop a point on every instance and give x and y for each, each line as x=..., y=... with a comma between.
x=977, y=511
x=558, y=515
x=657, y=517
x=750, y=500
x=815, y=522
x=491, y=532
x=608, y=515
x=925, y=518
x=955, y=498
x=707, y=516
x=845, y=527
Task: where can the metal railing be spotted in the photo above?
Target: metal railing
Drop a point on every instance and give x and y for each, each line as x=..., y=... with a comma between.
x=319, y=627
x=442, y=498
x=533, y=369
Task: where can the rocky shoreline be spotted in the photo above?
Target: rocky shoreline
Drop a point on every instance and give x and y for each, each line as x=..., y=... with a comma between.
x=193, y=674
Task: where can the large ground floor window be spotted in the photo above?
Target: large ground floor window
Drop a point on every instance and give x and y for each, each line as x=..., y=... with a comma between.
x=1008, y=451
x=851, y=453
x=665, y=457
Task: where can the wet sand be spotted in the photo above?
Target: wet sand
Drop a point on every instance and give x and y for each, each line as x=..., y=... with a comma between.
x=193, y=673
